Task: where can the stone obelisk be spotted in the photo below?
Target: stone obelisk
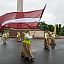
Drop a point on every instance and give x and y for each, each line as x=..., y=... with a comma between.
x=19, y=5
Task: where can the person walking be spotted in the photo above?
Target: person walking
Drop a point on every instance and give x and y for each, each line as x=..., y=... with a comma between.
x=26, y=47
x=46, y=40
x=4, y=37
x=18, y=37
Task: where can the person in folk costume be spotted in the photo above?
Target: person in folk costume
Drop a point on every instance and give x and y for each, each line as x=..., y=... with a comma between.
x=18, y=36
x=26, y=48
x=4, y=37
x=49, y=37
x=46, y=40
x=53, y=39
x=53, y=35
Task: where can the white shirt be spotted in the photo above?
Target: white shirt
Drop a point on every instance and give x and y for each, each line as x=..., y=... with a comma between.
x=28, y=36
x=45, y=35
x=53, y=35
x=8, y=34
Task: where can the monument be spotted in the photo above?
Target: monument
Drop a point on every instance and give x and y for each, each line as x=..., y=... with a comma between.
x=19, y=5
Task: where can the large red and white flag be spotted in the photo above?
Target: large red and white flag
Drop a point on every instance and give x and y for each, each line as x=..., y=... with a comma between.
x=22, y=19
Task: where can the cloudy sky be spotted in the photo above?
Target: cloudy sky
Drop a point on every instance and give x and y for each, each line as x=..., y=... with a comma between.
x=53, y=14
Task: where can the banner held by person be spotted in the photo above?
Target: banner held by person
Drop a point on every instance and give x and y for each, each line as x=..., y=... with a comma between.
x=22, y=20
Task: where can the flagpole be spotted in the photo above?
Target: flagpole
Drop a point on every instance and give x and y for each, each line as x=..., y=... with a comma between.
x=43, y=10
x=40, y=17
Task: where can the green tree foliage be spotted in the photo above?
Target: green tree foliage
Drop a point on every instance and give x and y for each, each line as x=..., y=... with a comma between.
x=51, y=28
x=43, y=26
x=5, y=29
x=59, y=28
x=62, y=31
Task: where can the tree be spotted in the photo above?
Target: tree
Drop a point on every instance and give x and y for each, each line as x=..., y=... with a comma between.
x=59, y=28
x=50, y=28
x=62, y=31
x=42, y=25
x=5, y=29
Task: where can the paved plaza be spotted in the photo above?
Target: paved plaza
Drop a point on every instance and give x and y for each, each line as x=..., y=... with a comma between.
x=10, y=52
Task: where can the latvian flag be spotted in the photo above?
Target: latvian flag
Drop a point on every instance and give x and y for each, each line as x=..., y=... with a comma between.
x=22, y=20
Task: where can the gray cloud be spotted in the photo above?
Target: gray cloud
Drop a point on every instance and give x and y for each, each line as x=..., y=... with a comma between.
x=53, y=13
x=7, y=6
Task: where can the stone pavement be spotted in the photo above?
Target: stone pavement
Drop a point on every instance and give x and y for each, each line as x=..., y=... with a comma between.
x=10, y=53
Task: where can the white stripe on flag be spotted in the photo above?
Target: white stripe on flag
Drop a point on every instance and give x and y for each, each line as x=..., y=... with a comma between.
x=21, y=20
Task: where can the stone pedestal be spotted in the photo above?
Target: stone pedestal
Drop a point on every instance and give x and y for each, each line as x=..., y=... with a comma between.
x=38, y=33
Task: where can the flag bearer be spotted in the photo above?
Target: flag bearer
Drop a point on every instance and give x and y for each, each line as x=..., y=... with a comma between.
x=4, y=37
x=18, y=36
x=46, y=41
x=26, y=48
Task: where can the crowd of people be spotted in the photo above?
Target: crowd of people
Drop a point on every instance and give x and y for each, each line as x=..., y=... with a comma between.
x=49, y=39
